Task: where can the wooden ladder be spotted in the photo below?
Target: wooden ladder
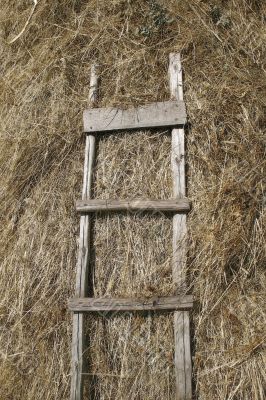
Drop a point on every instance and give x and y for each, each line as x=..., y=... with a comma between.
x=98, y=120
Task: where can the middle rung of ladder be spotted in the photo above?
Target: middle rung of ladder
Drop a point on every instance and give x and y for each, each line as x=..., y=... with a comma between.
x=170, y=205
x=170, y=303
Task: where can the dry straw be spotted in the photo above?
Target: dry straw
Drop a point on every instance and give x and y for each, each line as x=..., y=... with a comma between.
x=44, y=88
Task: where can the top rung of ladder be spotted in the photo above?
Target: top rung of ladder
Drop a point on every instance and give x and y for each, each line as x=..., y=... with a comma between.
x=166, y=113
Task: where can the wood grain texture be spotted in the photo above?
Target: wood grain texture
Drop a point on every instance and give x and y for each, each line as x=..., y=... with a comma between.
x=83, y=257
x=181, y=318
x=171, y=205
x=129, y=304
x=168, y=113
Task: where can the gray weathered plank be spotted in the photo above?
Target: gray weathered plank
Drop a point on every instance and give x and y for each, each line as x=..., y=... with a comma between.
x=78, y=344
x=167, y=113
x=181, y=318
x=129, y=304
x=171, y=205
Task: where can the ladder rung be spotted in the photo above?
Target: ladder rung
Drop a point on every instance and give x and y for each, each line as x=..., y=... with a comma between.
x=173, y=205
x=88, y=304
x=166, y=113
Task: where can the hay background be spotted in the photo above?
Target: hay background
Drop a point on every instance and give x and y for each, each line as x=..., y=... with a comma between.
x=43, y=90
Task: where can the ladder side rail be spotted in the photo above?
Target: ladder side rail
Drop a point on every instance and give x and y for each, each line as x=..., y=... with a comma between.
x=78, y=342
x=183, y=365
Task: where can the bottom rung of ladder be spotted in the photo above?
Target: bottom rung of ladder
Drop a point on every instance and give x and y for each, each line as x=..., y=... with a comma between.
x=173, y=303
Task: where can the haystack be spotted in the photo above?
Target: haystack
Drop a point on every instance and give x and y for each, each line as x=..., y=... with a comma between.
x=44, y=87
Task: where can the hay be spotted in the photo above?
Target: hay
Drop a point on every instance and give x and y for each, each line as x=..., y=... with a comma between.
x=44, y=88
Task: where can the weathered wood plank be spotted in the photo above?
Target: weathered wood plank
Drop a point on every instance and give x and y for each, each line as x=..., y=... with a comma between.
x=168, y=113
x=181, y=318
x=142, y=304
x=83, y=258
x=171, y=205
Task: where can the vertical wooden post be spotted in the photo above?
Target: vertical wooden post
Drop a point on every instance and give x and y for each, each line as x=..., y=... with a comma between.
x=181, y=318
x=83, y=256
